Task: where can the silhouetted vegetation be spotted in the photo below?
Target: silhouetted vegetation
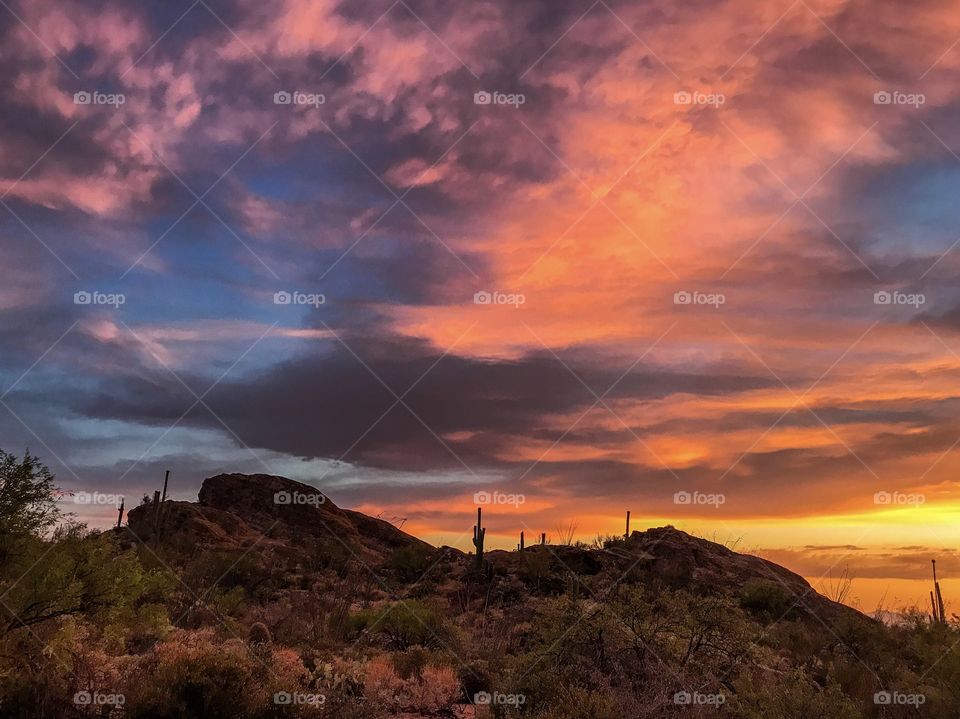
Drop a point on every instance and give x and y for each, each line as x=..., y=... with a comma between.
x=102, y=624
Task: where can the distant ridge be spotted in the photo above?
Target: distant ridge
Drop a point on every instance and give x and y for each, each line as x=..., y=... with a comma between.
x=300, y=526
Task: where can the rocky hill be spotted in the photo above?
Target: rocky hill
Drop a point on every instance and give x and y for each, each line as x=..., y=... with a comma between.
x=294, y=525
x=265, y=599
x=239, y=510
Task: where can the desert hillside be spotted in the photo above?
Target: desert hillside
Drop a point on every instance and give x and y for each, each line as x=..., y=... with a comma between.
x=278, y=520
x=265, y=599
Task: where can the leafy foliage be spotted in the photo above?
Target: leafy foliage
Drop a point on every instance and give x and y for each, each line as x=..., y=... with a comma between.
x=27, y=500
x=403, y=624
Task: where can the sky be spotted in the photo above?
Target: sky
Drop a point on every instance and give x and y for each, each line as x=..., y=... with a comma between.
x=694, y=260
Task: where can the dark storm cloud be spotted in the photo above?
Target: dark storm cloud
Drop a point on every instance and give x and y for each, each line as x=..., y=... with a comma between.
x=947, y=319
x=320, y=405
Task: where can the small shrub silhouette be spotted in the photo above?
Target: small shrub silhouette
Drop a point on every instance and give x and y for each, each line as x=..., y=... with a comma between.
x=767, y=599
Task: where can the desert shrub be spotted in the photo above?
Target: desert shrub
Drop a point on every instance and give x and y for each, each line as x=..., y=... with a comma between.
x=191, y=676
x=711, y=634
x=411, y=562
x=332, y=556
x=411, y=662
x=382, y=686
x=578, y=703
x=41, y=673
x=75, y=572
x=338, y=624
x=27, y=504
x=339, y=676
x=792, y=696
x=403, y=624
x=135, y=628
x=562, y=653
x=609, y=541
x=868, y=640
x=631, y=641
x=767, y=599
x=436, y=690
x=535, y=571
x=34, y=682
x=194, y=675
x=232, y=573
x=431, y=693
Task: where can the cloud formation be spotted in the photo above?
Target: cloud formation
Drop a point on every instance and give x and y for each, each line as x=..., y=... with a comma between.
x=723, y=236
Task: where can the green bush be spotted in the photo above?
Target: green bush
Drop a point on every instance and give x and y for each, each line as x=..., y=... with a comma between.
x=411, y=562
x=403, y=624
x=200, y=675
x=411, y=662
x=767, y=599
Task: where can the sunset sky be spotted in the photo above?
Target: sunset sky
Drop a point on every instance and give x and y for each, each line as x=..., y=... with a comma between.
x=790, y=168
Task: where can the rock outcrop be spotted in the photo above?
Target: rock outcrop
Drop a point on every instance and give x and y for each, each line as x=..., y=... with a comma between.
x=240, y=510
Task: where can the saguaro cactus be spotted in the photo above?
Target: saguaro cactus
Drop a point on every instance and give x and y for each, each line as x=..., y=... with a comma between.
x=520, y=546
x=479, y=533
x=120, y=515
x=161, y=502
x=627, y=535
x=939, y=614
